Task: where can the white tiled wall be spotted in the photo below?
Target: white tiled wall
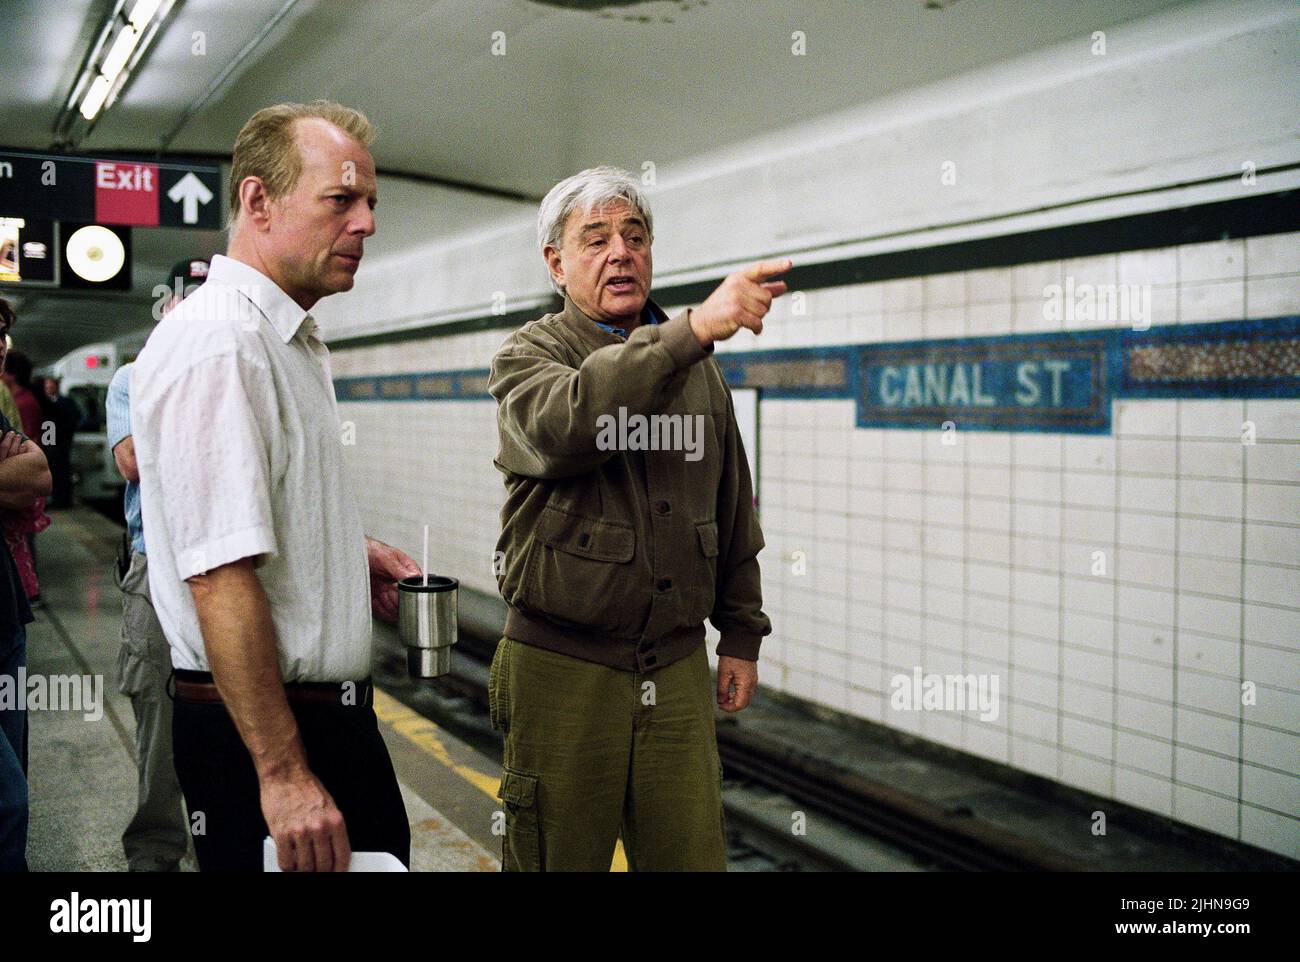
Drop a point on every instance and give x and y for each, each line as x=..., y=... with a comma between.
x=1122, y=588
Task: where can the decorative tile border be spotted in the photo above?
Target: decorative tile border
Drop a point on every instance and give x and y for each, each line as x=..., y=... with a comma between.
x=1241, y=359
x=1058, y=382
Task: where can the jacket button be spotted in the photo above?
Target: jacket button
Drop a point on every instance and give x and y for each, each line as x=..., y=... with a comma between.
x=662, y=507
x=665, y=584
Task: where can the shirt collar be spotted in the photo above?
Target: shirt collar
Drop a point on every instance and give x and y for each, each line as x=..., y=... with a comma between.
x=650, y=314
x=284, y=313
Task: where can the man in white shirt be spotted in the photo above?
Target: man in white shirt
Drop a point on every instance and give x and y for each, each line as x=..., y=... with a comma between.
x=258, y=566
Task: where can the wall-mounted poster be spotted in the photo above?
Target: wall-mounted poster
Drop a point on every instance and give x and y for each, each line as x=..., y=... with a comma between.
x=27, y=251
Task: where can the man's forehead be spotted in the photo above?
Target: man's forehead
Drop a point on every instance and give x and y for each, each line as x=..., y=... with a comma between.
x=329, y=153
x=615, y=212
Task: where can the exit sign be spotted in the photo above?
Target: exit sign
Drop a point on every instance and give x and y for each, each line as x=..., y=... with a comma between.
x=134, y=192
x=126, y=193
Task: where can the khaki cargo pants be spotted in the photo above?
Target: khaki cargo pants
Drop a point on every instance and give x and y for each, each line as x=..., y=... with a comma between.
x=158, y=835
x=591, y=751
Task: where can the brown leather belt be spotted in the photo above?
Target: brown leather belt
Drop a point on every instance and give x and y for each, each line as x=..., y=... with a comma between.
x=317, y=693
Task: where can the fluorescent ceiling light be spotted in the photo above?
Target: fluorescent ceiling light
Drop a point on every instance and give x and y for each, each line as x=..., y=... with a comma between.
x=119, y=53
x=142, y=12
x=119, y=46
x=95, y=97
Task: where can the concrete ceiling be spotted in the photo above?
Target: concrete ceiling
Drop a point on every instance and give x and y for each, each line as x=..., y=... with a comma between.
x=580, y=82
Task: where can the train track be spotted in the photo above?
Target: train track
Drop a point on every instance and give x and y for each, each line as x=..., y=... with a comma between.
x=937, y=838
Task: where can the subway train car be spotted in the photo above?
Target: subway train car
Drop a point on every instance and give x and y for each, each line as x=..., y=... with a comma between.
x=84, y=376
x=782, y=438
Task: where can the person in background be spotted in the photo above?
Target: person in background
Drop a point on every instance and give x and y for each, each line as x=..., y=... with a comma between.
x=259, y=567
x=67, y=418
x=21, y=525
x=34, y=407
x=155, y=840
x=8, y=407
x=24, y=478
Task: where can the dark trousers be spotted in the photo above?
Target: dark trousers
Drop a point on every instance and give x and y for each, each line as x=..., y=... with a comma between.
x=13, y=762
x=344, y=750
x=60, y=462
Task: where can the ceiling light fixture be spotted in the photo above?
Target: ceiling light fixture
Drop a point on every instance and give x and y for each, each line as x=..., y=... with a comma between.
x=121, y=41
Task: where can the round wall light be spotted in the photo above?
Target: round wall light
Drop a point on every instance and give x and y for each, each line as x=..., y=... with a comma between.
x=95, y=253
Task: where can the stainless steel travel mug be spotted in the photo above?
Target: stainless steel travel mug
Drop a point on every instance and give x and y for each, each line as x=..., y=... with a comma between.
x=426, y=621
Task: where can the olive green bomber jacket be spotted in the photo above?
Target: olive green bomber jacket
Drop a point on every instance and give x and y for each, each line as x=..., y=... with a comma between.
x=617, y=554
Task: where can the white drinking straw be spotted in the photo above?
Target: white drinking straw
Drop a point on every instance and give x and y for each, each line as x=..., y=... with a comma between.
x=426, y=556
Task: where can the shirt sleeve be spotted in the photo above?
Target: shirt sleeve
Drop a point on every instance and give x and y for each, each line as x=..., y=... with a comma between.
x=210, y=434
x=118, y=407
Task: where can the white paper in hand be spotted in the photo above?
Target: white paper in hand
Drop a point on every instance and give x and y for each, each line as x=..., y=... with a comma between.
x=361, y=861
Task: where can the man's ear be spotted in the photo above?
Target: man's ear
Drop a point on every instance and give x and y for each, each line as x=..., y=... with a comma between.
x=554, y=263
x=253, y=201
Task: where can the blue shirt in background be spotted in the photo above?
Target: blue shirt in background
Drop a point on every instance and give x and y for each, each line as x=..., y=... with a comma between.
x=118, y=404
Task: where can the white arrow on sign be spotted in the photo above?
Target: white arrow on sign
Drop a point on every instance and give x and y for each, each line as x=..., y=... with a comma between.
x=189, y=191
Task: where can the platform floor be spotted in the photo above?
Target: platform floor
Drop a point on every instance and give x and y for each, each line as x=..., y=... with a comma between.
x=82, y=772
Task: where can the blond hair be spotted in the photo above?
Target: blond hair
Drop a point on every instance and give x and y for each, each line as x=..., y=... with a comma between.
x=266, y=148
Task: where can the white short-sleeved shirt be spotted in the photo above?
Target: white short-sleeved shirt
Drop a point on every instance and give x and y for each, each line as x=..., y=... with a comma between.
x=238, y=444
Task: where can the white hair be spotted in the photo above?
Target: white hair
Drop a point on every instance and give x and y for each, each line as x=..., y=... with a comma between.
x=588, y=190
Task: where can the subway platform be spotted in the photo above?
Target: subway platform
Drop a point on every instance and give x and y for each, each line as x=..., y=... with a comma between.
x=804, y=790
x=82, y=773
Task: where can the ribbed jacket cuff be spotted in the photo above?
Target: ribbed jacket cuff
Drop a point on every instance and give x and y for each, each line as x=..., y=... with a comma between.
x=680, y=341
x=740, y=644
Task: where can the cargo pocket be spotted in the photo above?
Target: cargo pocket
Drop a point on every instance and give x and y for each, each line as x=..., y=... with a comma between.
x=133, y=663
x=499, y=687
x=131, y=671
x=521, y=847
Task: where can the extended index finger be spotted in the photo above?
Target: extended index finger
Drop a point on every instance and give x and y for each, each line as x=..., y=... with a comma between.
x=765, y=269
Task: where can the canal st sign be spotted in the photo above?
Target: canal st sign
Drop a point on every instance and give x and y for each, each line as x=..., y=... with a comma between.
x=1041, y=382
x=1060, y=382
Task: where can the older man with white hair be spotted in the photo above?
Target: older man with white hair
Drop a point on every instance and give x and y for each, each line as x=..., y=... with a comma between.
x=617, y=544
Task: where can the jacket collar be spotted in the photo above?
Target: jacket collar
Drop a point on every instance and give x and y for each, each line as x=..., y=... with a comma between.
x=587, y=329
